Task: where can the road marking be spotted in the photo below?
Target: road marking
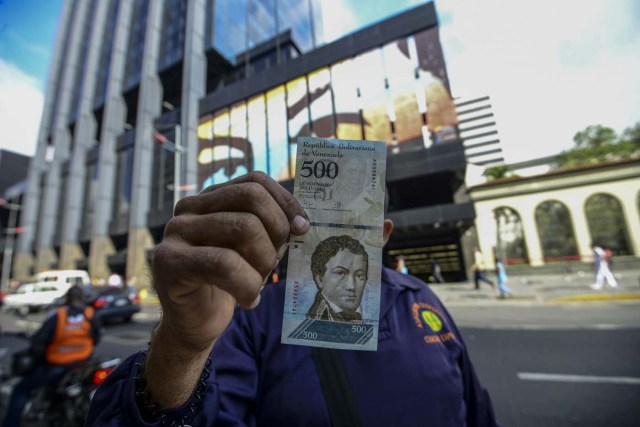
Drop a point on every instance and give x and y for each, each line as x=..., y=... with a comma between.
x=533, y=376
x=551, y=327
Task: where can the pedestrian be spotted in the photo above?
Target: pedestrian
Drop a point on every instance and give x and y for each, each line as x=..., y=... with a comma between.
x=505, y=292
x=437, y=271
x=478, y=269
x=216, y=357
x=603, y=272
x=401, y=266
x=66, y=339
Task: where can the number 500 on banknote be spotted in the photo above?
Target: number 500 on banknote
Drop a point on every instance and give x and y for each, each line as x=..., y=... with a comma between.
x=333, y=278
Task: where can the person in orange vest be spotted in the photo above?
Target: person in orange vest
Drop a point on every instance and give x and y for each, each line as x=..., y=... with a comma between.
x=65, y=340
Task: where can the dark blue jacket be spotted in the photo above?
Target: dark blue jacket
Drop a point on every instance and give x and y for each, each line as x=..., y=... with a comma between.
x=420, y=375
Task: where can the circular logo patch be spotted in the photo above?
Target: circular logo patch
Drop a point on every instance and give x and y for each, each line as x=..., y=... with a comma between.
x=432, y=320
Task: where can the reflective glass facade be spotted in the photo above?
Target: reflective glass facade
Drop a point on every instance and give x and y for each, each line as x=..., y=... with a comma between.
x=172, y=38
x=82, y=61
x=105, y=54
x=396, y=93
x=135, y=51
x=239, y=25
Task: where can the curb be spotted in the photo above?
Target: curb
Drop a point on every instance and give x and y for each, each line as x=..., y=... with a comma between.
x=595, y=297
x=150, y=300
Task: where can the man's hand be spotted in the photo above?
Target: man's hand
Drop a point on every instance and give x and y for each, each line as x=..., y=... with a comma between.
x=218, y=250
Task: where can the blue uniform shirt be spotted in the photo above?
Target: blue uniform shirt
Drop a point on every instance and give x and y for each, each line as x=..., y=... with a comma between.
x=420, y=375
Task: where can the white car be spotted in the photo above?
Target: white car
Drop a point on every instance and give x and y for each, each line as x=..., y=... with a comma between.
x=47, y=287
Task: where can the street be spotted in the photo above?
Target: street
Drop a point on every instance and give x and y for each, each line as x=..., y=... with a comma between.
x=557, y=365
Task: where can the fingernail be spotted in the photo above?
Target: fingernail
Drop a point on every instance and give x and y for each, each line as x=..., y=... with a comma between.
x=300, y=223
x=255, y=303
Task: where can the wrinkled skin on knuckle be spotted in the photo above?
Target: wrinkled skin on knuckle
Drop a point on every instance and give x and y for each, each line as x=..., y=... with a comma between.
x=254, y=193
x=259, y=177
x=173, y=227
x=185, y=205
x=241, y=282
x=164, y=257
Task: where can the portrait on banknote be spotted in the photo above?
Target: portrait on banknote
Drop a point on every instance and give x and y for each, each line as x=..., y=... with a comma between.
x=339, y=266
x=334, y=271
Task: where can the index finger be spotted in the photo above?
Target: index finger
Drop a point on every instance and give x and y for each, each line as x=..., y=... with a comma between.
x=289, y=205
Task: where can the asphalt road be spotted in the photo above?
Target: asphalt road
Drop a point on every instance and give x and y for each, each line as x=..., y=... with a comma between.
x=544, y=365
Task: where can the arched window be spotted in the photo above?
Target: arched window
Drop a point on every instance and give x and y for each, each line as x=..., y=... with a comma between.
x=606, y=222
x=510, y=239
x=555, y=231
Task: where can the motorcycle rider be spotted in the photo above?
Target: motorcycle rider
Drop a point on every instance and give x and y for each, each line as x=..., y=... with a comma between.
x=65, y=340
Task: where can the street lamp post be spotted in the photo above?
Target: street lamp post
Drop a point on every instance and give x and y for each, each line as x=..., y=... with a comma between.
x=8, y=246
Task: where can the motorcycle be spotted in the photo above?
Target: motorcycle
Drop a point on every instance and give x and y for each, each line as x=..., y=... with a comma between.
x=62, y=404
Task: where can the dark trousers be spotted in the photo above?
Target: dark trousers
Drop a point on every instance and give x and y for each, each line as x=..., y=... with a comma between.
x=39, y=377
x=480, y=276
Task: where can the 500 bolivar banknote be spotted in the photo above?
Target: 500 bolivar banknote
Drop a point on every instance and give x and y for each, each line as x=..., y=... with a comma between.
x=334, y=271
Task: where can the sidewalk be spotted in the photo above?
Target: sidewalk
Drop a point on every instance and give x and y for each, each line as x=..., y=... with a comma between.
x=543, y=289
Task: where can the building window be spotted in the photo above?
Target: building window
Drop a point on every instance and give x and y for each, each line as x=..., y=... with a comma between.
x=373, y=96
x=277, y=131
x=555, y=231
x=402, y=103
x=257, y=132
x=607, y=224
x=321, y=103
x=122, y=190
x=348, y=123
x=510, y=245
x=89, y=203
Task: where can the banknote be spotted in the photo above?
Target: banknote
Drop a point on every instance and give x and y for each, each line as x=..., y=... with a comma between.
x=334, y=271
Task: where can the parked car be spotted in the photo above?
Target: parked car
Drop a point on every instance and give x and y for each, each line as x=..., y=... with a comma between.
x=64, y=278
x=110, y=303
x=114, y=302
x=45, y=288
x=32, y=297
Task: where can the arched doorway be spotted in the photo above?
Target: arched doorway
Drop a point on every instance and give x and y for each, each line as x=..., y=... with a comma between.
x=510, y=246
x=555, y=231
x=606, y=222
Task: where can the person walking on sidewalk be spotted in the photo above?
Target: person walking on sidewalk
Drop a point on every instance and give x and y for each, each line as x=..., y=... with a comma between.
x=505, y=292
x=478, y=269
x=602, y=268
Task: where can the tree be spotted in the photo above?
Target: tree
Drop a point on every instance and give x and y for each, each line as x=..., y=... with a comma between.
x=632, y=135
x=599, y=143
x=595, y=136
x=497, y=172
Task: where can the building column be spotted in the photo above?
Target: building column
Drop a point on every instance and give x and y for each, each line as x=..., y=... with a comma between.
x=193, y=88
x=580, y=227
x=532, y=240
x=488, y=239
x=24, y=260
x=630, y=207
x=46, y=257
x=113, y=121
x=149, y=108
x=84, y=139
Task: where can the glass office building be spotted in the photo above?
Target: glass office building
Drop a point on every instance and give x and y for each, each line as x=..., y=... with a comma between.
x=149, y=101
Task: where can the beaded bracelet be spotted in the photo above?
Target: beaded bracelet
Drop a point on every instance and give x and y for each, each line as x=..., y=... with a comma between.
x=150, y=410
